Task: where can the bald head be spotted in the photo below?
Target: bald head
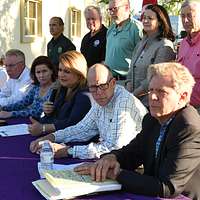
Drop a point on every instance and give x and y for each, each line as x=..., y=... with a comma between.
x=119, y=10
x=100, y=73
x=101, y=84
x=122, y=1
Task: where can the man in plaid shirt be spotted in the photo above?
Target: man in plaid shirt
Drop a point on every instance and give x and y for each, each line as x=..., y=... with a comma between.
x=115, y=116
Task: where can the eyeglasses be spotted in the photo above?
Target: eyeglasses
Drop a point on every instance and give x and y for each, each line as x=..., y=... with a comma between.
x=114, y=9
x=104, y=86
x=13, y=65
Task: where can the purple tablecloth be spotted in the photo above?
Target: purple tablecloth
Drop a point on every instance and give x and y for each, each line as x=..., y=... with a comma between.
x=18, y=168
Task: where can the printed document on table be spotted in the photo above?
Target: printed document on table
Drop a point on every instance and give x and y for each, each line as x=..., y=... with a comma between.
x=13, y=130
x=63, y=184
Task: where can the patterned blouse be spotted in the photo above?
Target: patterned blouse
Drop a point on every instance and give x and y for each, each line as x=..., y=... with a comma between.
x=30, y=105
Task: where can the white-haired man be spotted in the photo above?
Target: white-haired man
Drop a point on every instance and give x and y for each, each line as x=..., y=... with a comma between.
x=167, y=146
x=19, y=80
x=93, y=45
x=189, y=54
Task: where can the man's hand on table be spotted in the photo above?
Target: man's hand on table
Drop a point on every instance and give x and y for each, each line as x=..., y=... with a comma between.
x=106, y=167
x=60, y=150
x=35, y=147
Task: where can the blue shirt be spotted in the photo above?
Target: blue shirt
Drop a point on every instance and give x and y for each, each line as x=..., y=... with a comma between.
x=161, y=136
x=30, y=105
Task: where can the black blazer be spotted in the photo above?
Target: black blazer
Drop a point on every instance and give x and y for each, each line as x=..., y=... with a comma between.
x=68, y=113
x=175, y=170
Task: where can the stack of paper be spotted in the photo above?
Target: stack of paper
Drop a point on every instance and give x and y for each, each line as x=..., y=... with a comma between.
x=13, y=130
x=67, y=184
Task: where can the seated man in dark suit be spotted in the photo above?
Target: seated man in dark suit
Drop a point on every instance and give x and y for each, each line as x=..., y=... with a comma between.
x=168, y=145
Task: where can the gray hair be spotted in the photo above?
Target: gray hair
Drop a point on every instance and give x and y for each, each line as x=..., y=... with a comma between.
x=181, y=77
x=89, y=8
x=190, y=2
x=17, y=53
x=124, y=2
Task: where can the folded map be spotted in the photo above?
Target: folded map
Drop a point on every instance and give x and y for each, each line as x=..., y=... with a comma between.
x=67, y=184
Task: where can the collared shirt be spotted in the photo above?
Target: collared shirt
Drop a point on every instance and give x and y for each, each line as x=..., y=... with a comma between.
x=121, y=42
x=94, y=47
x=117, y=124
x=15, y=89
x=161, y=136
x=189, y=55
x=58, y=46
x=3, y=77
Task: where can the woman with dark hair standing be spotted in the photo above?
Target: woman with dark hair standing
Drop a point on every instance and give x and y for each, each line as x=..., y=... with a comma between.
x=43, y=75
x=155, y=47
x=70, y=102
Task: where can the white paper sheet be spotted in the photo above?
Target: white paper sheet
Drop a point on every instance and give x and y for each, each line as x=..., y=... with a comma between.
x=13, y=130
x=52, y=193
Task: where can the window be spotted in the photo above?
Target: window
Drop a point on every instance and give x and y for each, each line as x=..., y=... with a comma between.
x=31, y=20
x=75, y=22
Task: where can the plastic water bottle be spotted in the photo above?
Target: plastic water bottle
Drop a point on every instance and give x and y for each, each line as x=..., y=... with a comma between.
x=46, y=158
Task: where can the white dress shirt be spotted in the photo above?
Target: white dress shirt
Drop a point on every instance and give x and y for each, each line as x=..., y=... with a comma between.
x=15, y=89
x=3, y=77
x=117, y=124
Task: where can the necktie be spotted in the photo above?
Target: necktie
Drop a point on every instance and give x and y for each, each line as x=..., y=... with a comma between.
x=161, y=136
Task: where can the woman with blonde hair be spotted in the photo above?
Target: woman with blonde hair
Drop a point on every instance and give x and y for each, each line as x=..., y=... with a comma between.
x=70, y=101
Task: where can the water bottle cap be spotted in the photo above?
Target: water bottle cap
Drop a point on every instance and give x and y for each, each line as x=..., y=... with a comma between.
x=43, y=142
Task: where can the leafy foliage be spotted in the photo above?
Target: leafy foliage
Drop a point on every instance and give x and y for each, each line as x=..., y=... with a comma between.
x=172, y=6
x=104, y=1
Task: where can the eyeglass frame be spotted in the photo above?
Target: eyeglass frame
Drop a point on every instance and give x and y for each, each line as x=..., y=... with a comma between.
x=114, y=9
x=13, y=65
x=103, y=86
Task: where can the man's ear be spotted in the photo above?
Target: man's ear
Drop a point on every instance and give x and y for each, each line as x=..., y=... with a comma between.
x=184, y=96
x=113, y=82
x=127, y=7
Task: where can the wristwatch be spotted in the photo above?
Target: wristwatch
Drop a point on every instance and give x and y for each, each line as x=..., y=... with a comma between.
x=70, y=151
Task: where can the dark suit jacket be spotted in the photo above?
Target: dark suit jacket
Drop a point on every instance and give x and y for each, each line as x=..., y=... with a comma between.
x=176, y=169
x=68, y=113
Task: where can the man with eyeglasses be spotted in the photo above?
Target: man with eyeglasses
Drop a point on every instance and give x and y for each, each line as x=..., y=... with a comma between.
x=167, y=146
x=115, y=116
x=19, y=79
x=122, y=37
